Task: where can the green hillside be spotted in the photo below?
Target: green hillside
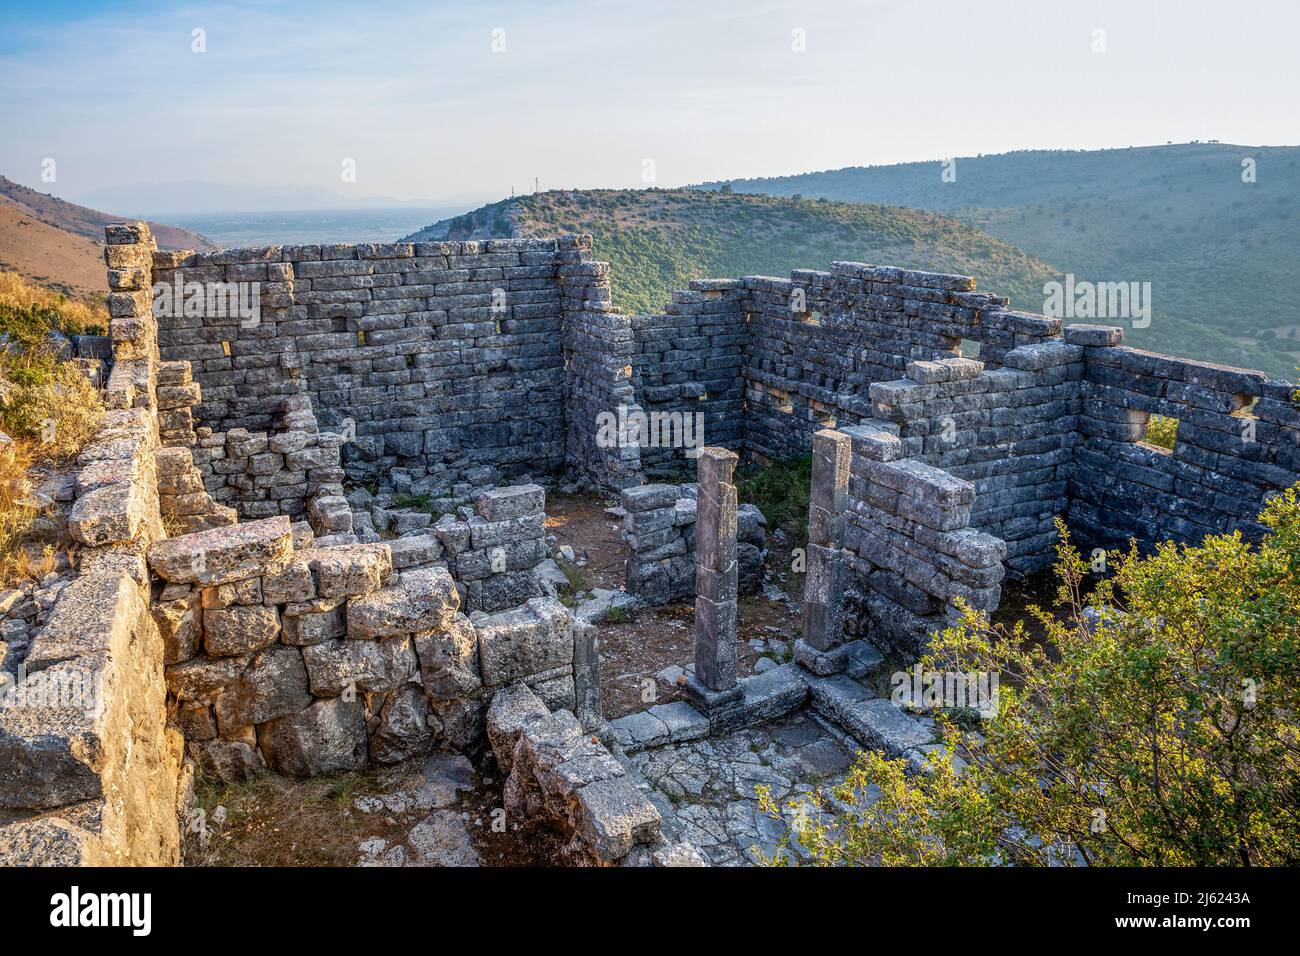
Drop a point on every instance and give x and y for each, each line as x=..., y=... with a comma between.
x=657, y=240
x=1221, y=254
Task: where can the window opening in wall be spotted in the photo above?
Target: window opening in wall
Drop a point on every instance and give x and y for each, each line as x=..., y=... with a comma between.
x=1247, y=418
x=1161, y=433
x=969, y=348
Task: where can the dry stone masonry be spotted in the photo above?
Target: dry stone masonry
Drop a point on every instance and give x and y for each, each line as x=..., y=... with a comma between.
x=312, y=538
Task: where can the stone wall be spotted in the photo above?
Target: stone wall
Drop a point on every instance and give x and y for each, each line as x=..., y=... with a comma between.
x=687, y=373
x=1227, y=459
x=443, y=355
x=598, y=354
x=311, y=660
x=659, y=525
x=818, y=340
x=1011, y=432
x=89, y=772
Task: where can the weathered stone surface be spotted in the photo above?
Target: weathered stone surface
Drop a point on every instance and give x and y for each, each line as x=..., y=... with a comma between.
x=203, y=677
x=404, y=730
x=311, y=622
x=513, y=708
x=441, y=839
x=92, y=611
x=229, y=760
x=273, y=685
x=111, y=513
x=350, y=570
x=239, y=630
x=221, y=555
x=422, y=600
x=525, y=641
x=294, y=583
x=515, y=501
x=639, y=730
x=449, y=665
x=366, y=666
x=327, y=737
x=612, y=815
x=678, y=854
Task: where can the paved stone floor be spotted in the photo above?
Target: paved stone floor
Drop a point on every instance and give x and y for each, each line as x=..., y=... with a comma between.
x=710, y=783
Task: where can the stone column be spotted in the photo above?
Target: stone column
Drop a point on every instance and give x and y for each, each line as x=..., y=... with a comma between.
x=716, y=587
x=824, y=587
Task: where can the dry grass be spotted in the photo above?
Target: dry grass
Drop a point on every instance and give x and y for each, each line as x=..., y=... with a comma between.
x=28, y=311
x=48, y=411
x=275, y=821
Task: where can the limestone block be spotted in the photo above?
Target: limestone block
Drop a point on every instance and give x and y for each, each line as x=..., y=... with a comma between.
x=424, y=599
x=327, y=737
x=449, y=666
x=404, y=730
x=294, y=583
x=350, y=570
x=111, y=513
x=229, y=760
x=274, y=684
x=202, y=678
x=524, y=641
x=512, y=710
x=239, y=630
x=310, y=622
x=364, y=666
x=611, y=816
x=499, y=504
x=222, y=555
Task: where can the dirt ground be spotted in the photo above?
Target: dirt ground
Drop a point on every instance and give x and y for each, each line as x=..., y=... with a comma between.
x=634, y=654
x=332, y=821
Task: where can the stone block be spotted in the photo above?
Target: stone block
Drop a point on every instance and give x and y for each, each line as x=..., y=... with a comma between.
x=362, y=666
x=423, y=600
x=524, y=641
x=327, y=737
x=239, y=630
x=221, y=555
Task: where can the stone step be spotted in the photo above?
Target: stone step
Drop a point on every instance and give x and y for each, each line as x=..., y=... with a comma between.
x=872, y=721
x=661, y=724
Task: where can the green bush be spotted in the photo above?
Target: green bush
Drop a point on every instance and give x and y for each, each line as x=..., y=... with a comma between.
x=1167, y=732
x=781, y=491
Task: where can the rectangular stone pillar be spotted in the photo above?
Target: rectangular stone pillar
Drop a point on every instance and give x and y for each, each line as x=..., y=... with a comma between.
x=823, y=625
x=716, y=584
x=822, y=649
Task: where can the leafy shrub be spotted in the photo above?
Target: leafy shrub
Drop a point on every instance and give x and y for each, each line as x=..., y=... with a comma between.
x=781, y=491
x=1162, y=431
x=1166, y=731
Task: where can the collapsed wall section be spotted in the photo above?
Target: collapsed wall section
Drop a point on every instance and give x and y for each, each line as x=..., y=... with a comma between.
x=688, y=374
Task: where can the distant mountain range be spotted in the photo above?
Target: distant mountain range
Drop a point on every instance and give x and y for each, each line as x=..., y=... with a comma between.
x=657, y=240
x=1215, y=228
x=185, y=199
x=60, y=244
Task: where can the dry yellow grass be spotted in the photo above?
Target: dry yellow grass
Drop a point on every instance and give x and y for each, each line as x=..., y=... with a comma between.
x=48, y=411
x=28, y=311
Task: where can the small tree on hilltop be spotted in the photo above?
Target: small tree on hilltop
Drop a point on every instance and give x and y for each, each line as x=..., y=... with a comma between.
x=1158, y=724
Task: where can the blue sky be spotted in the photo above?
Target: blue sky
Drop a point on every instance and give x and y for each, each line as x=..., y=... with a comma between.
x=585, y=92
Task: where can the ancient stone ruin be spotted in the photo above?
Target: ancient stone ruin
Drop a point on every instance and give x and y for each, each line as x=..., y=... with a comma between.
x=313, y=538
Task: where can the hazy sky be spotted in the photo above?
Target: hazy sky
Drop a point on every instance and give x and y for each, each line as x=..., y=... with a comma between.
x=584, y=92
